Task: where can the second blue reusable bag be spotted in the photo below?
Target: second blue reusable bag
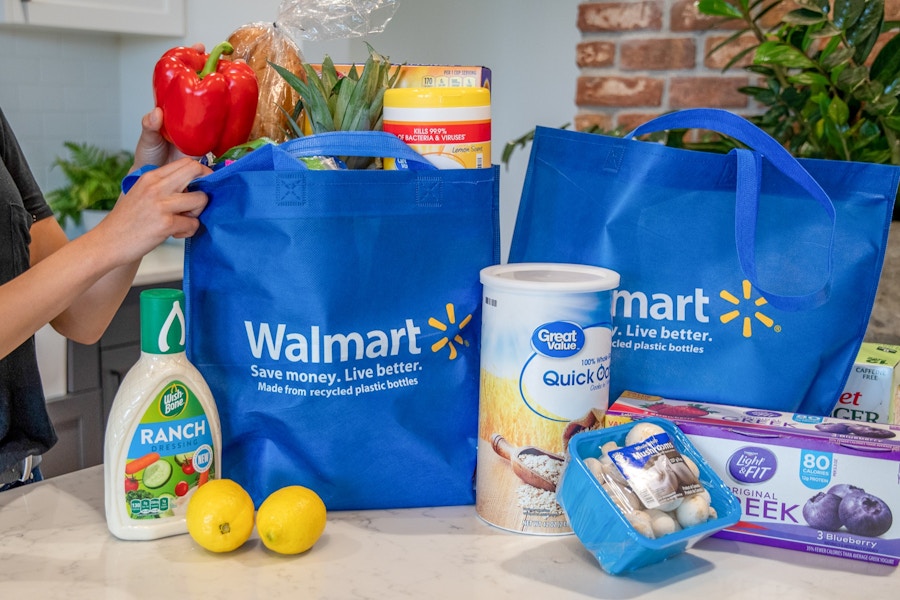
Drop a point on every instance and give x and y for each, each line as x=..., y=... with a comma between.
x=746, y=278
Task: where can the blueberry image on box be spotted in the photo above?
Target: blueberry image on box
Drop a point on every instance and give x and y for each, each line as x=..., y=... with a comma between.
x=859, y=429
x=841, y=428
x=851, y=507
x=870, y=432
x=865, y=514
x=821, y=512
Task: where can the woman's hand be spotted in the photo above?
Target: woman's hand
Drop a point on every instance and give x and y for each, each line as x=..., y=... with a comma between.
x=155, y=208
x=152, y=148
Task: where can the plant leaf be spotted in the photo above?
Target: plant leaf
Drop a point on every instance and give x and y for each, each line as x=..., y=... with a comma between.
x=820, y=5
x=869, y=21
x=329, y=77
x=886, y=65
x=719, y=8
x=810, y=78
x=781, y=54
x=760, y=94
x=94, y=180
x=851, y=78
x=805, y=16
x=868, y=91
x=894, y=144
x=882, y=106
x=827, y=30
x=864, y=47
x=838, y=112
x=846, y=12
x=345, y=92
x=839, y=57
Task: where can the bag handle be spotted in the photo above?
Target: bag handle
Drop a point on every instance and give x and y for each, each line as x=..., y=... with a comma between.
x=333, y=143
x=357, y=143
x=749, y=177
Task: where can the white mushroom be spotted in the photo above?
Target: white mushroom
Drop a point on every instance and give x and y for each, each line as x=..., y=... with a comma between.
x=641, y=523
x=685, y=472
x=662, y=522
x=671, y=505
x=641, y=431
x=595, y=467
x=617, y=499
x=607, y=448
x=705, y=494
x=693, y=511
x=691, y=465
x=613, y=473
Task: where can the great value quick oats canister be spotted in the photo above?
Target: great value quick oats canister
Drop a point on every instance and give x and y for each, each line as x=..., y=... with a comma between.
x=451, y=127
x=545, y=364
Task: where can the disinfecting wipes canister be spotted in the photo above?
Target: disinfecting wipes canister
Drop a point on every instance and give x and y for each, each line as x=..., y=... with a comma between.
x=450, y=127
x=545, y=364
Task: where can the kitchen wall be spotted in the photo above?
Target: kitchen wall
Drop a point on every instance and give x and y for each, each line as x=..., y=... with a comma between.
x=64, y=85
x=58, y=86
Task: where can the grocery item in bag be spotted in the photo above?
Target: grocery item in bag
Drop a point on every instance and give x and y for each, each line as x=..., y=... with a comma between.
x=451, y=127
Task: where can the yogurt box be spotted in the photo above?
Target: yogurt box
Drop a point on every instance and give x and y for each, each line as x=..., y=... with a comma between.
x=816, y=484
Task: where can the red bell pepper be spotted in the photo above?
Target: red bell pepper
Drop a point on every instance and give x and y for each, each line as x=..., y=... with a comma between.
x=208, y=104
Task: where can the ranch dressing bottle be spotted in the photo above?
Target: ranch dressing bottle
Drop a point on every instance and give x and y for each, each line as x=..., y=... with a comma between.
x=163, y=438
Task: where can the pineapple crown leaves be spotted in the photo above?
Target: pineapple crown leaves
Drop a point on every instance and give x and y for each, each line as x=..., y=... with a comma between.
x=336, y=102
x=94, y=178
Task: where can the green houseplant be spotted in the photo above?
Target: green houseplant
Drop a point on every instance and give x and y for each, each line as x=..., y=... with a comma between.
x=826, y=77
x=827, y=74
x=94, y=178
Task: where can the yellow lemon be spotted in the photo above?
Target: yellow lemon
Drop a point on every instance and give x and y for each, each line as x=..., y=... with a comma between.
x=220, y=515
x=291, y=520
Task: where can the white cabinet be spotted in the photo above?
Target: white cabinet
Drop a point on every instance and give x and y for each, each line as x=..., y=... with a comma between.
x=151, y=17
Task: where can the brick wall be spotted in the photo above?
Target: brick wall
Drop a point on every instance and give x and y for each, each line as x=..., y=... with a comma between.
x=641, y=58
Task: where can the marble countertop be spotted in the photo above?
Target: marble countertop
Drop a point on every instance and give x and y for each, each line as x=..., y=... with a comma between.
x=54, y=544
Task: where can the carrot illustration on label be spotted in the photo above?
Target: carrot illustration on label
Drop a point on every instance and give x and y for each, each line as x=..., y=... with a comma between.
x=204, y=477
x=141, y=463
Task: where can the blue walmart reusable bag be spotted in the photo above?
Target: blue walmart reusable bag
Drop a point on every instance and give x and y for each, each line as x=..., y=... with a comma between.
x=746, y=278
x=335, y=315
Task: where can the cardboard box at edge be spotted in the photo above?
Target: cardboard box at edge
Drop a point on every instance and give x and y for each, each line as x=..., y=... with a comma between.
x=872, y=388
x=775, y=463
x=431, y=76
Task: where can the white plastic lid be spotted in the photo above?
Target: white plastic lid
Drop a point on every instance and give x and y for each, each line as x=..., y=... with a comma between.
x=549, y=277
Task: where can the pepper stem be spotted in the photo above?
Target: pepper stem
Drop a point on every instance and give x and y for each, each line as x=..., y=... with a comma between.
x=213, y=60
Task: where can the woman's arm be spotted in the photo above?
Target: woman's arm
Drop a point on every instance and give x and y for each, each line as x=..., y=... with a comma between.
x=79, y=285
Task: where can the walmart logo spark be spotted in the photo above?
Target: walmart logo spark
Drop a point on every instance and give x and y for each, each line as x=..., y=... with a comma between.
x=451, y=337
x=749, y=307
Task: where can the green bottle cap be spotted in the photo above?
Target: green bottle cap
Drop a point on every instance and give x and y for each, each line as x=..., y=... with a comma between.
x=162, y=321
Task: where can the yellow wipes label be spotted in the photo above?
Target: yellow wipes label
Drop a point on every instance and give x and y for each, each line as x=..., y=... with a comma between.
x=461, y=145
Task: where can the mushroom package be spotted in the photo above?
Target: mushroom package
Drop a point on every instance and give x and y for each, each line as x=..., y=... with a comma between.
x=639, y=493
x=657, y=488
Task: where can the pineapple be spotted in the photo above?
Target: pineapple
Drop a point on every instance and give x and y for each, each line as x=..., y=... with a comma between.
x=333, y=102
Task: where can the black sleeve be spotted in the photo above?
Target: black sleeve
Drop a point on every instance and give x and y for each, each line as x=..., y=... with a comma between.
x=15, y=163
